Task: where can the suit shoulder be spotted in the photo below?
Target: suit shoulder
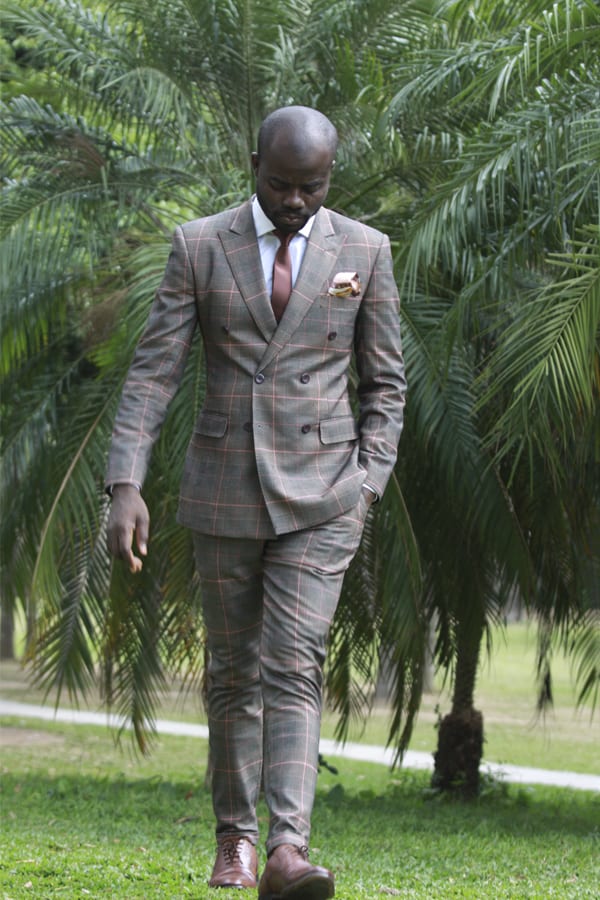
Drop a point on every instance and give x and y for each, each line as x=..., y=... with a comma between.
x=213, y=223
x=356, y=229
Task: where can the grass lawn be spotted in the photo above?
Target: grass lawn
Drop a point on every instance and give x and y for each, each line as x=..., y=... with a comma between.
x=82, y=818
x=567, y=738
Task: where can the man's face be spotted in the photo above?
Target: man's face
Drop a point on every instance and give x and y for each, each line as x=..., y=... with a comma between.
x=291, y=184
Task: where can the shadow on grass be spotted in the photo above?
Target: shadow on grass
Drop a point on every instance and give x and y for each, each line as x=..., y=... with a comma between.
x=503, y=809
x=92, y=805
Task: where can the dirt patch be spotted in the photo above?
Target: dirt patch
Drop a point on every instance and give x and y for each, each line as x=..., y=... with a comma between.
x=23, y=737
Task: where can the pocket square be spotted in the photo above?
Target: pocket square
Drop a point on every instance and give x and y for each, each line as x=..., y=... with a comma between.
x=345, y=284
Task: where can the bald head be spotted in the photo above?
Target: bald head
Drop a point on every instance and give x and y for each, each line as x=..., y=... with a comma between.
x=296, y=152
x=300, y=128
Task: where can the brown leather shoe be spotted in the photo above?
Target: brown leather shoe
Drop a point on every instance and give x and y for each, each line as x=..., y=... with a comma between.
x=236, y=865
x=288, y=875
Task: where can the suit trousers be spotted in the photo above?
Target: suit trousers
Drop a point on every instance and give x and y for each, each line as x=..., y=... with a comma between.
x=267, y=607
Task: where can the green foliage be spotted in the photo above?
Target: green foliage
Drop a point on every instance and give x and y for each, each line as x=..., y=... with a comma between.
x=500, y=111
x=158, y=111
x=471, y=134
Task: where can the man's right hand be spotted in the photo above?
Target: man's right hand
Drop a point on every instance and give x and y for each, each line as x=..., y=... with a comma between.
x=128, y=516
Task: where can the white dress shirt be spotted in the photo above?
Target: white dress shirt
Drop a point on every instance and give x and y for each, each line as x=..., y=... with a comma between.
x=268, y=244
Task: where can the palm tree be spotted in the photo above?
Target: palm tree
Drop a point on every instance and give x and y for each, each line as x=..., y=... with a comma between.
x=152, y=112
x=157, y=111
x=501, y=110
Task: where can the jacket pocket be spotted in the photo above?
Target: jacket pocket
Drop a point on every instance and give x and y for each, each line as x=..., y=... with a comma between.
x=211, y=424
x=342, y=428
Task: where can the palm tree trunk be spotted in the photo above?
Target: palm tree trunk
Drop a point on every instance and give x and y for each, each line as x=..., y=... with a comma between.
x=7, y=631
x=460, y=733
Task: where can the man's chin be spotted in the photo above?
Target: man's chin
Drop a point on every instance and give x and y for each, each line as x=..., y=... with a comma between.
x=291, y=224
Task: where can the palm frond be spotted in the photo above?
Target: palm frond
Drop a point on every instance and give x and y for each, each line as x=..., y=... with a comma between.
x=547, y=357
x=583, y=645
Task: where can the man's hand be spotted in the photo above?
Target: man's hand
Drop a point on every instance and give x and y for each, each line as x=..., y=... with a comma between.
x=128, y=515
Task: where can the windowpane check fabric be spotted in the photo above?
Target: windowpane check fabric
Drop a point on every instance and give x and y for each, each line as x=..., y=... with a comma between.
x=278, y=444
x=267, y=607
x=272, y=479
x=282, y=275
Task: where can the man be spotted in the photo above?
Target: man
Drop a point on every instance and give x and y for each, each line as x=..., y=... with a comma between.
x=279, y=472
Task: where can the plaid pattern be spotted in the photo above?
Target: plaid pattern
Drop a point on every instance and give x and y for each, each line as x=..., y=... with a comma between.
x=267, y=607
x=276, y=447
x=276, y=452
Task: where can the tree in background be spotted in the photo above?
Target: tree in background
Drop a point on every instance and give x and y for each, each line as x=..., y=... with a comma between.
x=153, y=113
x=501, y=261
x=147, y=117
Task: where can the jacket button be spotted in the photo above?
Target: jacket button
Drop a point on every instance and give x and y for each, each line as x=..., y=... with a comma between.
x=305, y=378
x=247, y=426
x=259, y=378
x=332, y=336
x=224, y=329
x=305, y=429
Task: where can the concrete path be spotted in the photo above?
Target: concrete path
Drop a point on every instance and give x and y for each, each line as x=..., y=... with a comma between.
x=363, y=752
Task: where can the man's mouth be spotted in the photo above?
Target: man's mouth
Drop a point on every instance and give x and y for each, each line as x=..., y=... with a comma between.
x=291, y=219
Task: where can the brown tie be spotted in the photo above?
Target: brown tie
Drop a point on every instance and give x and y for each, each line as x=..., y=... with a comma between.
x=282, y=275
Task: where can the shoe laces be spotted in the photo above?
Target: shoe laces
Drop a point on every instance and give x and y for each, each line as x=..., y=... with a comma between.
x=231, y=851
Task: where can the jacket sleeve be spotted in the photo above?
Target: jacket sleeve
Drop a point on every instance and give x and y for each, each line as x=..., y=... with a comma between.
x=380, y=367
x=156, y=370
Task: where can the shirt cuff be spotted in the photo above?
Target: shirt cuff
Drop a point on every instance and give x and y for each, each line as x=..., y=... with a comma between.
x=372, y=490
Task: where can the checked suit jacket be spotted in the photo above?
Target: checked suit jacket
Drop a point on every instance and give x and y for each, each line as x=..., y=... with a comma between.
x=279, y=444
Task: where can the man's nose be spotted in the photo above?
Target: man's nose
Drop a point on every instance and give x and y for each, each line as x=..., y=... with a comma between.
x=293, y=200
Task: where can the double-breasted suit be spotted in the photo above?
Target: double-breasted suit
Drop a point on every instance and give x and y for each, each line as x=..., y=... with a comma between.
x=277, y=446
x=272, y=481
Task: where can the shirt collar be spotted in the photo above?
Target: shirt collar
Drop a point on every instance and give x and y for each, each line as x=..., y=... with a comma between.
x=263, y=224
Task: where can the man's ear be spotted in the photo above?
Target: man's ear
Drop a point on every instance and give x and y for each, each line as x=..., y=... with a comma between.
x=254, y=161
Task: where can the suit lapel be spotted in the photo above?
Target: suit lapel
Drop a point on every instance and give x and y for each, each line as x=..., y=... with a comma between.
x=321, y=253
x=241, y=249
